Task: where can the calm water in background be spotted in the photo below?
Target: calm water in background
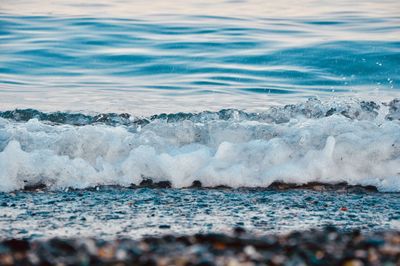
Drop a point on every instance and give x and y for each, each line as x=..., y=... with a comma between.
x=144, y=58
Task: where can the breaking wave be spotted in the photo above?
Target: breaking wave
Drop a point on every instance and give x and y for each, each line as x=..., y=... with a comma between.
x=353, y=141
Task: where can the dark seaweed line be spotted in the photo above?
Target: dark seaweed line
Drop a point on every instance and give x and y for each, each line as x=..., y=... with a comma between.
x=280, y=186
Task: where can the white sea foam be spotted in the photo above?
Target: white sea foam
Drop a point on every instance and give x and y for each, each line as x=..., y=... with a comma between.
x=360, y=149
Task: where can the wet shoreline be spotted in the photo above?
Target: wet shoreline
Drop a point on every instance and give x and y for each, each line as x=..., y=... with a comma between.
x=116, y=212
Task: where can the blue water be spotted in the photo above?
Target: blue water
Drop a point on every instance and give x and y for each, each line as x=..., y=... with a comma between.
x=150, y=58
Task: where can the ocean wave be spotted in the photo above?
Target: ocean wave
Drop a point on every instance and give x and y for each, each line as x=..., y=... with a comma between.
x=352, y=141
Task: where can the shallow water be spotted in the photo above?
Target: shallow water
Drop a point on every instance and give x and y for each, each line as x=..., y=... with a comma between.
x=110, y=213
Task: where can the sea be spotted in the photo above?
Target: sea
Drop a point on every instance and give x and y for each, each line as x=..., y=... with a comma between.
x=100, y=98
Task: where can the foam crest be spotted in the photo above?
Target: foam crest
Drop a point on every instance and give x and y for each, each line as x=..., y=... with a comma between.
x=357, y=143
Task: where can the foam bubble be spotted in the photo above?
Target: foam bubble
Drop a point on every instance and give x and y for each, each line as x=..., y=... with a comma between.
x=357, y=143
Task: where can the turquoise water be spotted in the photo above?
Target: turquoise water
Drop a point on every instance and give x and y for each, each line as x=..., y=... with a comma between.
x=145, y=58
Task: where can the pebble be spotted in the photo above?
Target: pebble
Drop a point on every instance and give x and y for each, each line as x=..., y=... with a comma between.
x=324, y=247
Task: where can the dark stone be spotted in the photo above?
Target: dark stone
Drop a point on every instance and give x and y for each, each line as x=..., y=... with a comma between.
x=313, y=247
x=33, y=187
x=149, y=183
x=17, y=244
x=62, y=246
x=196, y=184
x=370, y=188
x=163, y=184
x=146, y=183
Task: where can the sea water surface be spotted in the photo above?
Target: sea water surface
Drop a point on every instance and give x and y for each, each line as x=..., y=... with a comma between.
x=146, y=58
x=238, y=93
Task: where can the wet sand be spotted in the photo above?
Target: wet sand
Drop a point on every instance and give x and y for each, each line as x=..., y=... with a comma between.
x=109, y=213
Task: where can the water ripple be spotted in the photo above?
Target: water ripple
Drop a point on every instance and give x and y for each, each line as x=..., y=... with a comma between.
x=187, y=53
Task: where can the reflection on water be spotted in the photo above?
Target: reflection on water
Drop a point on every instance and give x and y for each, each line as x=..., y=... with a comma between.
x=239, y=9
x=162, y=57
